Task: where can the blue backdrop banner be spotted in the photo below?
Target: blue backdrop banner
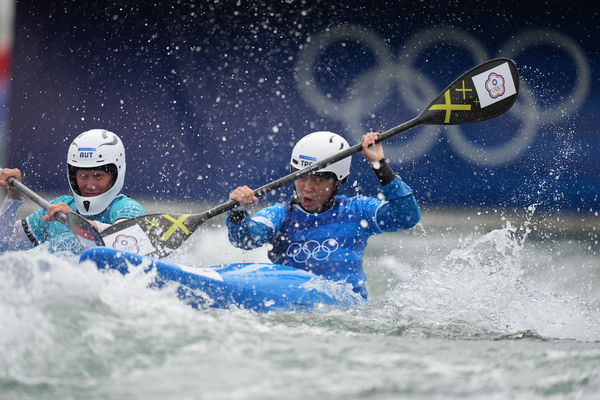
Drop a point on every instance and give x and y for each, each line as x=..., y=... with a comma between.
x=209, y=96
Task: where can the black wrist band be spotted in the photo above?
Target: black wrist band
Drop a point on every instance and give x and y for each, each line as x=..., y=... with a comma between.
x=237, y=216
x=383, y=171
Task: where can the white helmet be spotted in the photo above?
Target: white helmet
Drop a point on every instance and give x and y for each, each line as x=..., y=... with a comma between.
x=98, y=149
x=317, y=146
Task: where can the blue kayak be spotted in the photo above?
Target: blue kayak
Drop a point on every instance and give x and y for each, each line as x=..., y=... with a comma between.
x=260, y=287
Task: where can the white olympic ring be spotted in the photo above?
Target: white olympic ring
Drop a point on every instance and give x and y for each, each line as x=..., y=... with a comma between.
x=323, y=103
x=583, y=83
x=312, y=249
x=371, y=89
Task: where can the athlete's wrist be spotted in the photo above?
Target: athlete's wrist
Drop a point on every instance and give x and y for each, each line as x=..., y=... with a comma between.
x=237, y=216
x=383, y=171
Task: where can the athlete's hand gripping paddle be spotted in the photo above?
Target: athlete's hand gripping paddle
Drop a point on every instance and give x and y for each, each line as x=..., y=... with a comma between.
x=87, y=235
x=484, y=92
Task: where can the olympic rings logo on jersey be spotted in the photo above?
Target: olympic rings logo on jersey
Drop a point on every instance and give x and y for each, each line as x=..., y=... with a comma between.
x=370, y=90
x=312, y=249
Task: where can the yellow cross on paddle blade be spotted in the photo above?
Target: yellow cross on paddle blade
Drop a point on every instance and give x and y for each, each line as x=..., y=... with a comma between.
x=177, y=224
x=153, y=223
x=449, y=107
x=464, y=90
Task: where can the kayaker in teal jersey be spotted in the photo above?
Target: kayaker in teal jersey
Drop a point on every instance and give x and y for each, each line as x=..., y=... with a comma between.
x=319, y=230
x=96, y=173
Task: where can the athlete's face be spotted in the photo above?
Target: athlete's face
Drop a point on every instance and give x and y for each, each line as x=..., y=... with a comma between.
x=93, y=182
x=314, y=191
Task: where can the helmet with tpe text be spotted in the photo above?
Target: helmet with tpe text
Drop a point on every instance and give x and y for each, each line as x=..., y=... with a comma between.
x=318, y=146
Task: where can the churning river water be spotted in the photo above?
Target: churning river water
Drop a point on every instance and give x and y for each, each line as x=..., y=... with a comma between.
x=467, y=312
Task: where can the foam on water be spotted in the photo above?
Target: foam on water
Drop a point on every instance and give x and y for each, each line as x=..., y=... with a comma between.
x=64, y=323
x=484, y=287
x=70, y=331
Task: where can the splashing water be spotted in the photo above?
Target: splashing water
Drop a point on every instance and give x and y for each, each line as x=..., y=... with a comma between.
x=484, y=287
x=452, y=315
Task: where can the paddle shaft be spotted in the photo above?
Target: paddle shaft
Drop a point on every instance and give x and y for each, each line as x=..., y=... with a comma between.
x=83, y=230
x=35, y=197
x=311, y=168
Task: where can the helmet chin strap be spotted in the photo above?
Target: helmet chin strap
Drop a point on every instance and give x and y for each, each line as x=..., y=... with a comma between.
x=336, y=187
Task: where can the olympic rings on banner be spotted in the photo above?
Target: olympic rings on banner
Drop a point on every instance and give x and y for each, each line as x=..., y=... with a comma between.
x=582, y=83
x=308, y=56
x=312, y=249
x=373, y=87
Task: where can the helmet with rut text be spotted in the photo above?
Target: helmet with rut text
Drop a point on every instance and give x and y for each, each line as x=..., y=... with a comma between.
x=96, y=149
x=318, y=146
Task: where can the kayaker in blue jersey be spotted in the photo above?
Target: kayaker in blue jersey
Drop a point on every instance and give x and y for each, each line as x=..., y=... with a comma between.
x=319, y=230
x=96, y=173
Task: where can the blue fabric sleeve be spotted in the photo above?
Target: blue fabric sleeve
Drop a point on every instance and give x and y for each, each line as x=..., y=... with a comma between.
x=44, y=231
x=254, y=232
x=400, y=211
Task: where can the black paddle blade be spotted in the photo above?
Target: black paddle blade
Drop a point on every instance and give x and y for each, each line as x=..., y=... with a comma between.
x=87, y=235
x=156, y=235
x=484, y=92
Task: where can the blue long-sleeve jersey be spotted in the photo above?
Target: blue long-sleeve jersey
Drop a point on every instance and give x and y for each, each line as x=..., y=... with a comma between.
x=332, y=243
